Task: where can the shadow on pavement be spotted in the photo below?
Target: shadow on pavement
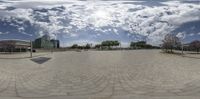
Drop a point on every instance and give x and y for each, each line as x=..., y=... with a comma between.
x=191, y=57
x=40, y=60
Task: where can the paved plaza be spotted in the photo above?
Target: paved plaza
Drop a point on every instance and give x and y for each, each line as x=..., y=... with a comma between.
x=140, y=74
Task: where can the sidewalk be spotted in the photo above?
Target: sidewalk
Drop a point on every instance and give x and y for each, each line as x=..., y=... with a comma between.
x=21, y=55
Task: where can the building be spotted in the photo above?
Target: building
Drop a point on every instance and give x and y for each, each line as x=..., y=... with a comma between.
x=14, y=45
x=46, y=42
x=56, y=43
x=43, y=42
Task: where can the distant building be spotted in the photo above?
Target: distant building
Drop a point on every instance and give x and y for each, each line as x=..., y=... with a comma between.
x=46, y=42
x=56, y=43
x=14, y=46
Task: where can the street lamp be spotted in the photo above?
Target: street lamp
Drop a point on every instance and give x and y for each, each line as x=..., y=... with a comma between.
x=31, y=48
x=181, y=36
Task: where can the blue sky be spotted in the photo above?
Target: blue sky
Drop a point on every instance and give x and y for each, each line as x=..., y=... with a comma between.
x=92, y=21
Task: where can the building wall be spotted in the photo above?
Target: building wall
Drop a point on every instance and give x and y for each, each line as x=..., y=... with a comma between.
x=37, y=43
x=46, y=42
x=56, y=43
x=14, y=46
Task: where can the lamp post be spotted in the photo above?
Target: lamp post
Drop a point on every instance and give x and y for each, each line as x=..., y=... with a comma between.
x=181, y=36
x=120, y=46
x=182, y=46
x=31, y=49
x=182, y=42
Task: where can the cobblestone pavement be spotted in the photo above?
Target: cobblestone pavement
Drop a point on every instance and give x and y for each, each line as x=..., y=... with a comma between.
x=101, y=75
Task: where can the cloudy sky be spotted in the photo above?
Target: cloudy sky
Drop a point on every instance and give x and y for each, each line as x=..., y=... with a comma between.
x=92, y=21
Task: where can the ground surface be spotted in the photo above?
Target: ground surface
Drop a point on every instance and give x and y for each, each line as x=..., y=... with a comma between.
x=101, y=75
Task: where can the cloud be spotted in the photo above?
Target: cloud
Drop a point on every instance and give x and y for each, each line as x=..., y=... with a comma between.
x=141, y=20
x=73, y=35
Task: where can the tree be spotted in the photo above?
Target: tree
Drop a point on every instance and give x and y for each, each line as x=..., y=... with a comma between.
x=105, y=43
x=140, y=44
x=110, y=43
x=170, y=41
x=116, y=43
x=195, y=45
x=133, y=45
x=87, y=46
x=74, y=46
x=98, y=46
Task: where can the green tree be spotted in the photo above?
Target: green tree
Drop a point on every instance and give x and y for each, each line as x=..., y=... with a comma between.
x=139, y=44
x=116, y=43
x=110, y=43
x=87, y=46
x=74, y=46
x=98, y=46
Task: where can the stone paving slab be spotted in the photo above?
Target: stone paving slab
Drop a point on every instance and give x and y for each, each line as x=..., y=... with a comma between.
x=100, y=97
x=138, y=74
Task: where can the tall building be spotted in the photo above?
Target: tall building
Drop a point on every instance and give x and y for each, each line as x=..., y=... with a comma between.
x=46, y=42
x=56, y=43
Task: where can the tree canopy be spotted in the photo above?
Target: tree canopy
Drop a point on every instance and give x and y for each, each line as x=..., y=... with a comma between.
x=141, y=45
x=195, y=45
x=170, y=42
x=110, y=43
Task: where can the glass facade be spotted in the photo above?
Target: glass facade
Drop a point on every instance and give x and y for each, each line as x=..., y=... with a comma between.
x=46, y=42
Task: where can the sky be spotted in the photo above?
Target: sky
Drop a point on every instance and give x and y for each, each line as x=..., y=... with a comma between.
x=92, y=21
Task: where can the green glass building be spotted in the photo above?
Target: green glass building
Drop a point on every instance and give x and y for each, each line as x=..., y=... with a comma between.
x=46, y=42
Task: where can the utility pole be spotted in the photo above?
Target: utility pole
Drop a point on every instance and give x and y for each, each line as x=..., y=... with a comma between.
x=120, y=45
x=181, y=36
x=183, y=43
x=31, y=49
x=182, y=46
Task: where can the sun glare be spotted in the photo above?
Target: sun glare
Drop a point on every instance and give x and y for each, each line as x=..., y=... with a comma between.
x=102, y=14
x=100, y=18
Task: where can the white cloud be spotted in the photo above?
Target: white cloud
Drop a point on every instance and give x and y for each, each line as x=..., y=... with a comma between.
x=4, y=33
x=153, y=22
x=73, y=35
x=191, y=34
x=181, y=35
